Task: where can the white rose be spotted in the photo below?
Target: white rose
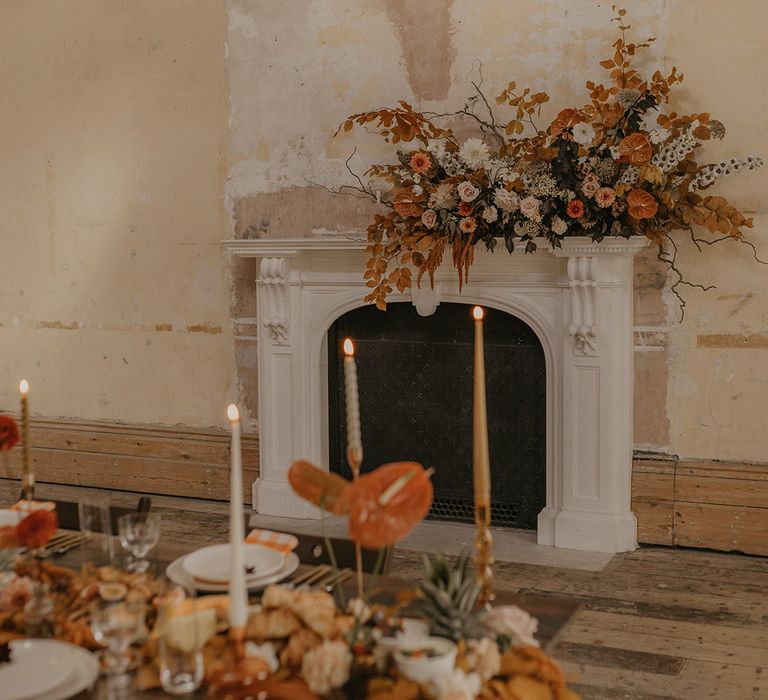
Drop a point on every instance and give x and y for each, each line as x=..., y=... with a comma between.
x=417, y=189
x=559, y=226
x=429, y=218
x=467, y=191
x=490, y=214
x=530, y=207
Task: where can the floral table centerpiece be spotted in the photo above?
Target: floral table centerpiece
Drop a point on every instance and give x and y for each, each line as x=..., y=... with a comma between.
x=617, y=166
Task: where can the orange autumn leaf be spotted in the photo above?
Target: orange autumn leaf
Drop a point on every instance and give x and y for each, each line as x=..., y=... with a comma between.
x=406, y=203
x=388, y=503
x=322, y=488
x=8, y=537
x=636, y=149
x=641, y=204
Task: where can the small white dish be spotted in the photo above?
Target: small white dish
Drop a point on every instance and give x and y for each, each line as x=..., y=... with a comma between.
x=424, y=660
x=46, y=668
x=177, y=573
x=210, y=565
x=9, y=517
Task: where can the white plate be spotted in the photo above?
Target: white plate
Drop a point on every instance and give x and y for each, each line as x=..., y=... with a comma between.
x=177, y=572
x=9, y=517
x=45, y=668
x=211, y=564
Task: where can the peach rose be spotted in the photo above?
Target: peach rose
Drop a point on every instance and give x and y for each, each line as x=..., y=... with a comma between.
x=429, y=218
x=467, y=191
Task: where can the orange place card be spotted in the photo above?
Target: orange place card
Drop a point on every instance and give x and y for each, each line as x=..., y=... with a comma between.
x=27, y=506
x=281, y=541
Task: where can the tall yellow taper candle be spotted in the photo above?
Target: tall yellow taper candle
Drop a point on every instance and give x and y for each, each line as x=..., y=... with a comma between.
x=481, y=471
x=28, y=475
x=481, y=465
x=238, y=594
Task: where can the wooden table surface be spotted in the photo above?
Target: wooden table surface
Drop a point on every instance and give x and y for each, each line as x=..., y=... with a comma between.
x=552, y=613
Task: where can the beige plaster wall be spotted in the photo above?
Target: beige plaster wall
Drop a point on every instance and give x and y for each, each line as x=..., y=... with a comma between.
x=114, y=143
x=295, y=74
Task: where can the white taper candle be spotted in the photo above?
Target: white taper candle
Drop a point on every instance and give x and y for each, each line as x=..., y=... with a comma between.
x=238, y=593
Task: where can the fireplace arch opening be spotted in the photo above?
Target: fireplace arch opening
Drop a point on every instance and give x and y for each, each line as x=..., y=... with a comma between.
x=415, y=375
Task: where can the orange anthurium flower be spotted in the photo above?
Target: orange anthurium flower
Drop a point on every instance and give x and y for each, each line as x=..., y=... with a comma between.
x=641, y=204
x=636, y=149
x=388, y=503
x=37, y=528
x=565, y=119
x=322, y=488
x=406, y=203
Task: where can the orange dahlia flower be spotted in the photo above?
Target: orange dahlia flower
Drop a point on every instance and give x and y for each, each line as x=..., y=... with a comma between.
x=420, y=162
x=468, y=224
x=636, y=149
x=641, y=204
x=564, y=120
x=575, y=208
x=465, y=208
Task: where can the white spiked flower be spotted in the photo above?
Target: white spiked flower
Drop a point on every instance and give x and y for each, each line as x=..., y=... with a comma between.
x=474, y=153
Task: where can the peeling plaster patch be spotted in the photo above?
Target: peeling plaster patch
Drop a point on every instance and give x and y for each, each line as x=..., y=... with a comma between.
x=337, y=36
x=163, y=327
x=732, y=340
x=58, y=325
x=296, y=211
x=424, y=31
x=204, y=328
x=245, y=23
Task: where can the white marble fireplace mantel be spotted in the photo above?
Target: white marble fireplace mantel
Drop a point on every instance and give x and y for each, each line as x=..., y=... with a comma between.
x=577, y=299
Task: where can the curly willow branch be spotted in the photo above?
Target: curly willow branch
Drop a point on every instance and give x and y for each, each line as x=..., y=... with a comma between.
x=669, y=258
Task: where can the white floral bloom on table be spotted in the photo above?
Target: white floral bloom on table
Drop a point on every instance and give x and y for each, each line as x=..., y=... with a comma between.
x=490, y=214
x=474, y=153
x=505, y=200
x=326, y=666
x=458, y=685
x=358, y=608
x=467, y=191
x=583, y=134
x=513, y=622
x=529, y=207
x=265, y=651
x=484, y=658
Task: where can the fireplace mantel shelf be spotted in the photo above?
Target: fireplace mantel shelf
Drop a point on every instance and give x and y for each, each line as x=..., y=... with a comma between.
x=578, y=301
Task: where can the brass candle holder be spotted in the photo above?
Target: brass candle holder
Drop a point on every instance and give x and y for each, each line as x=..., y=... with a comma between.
x=483, y=557
x=355, y=460
x=28, y=475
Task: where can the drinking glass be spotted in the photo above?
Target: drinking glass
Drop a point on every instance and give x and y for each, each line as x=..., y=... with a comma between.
x=139, y=533
x=96, y=524
x=116, y=626
x=180, y=647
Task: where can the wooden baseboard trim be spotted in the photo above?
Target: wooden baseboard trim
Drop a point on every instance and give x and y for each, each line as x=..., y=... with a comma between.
x=695, y=503
x=175, y=461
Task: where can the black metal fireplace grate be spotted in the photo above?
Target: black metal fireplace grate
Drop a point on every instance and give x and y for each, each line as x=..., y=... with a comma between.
x=415, y=377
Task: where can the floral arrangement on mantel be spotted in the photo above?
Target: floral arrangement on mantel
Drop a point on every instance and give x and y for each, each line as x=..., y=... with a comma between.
x=616, y=167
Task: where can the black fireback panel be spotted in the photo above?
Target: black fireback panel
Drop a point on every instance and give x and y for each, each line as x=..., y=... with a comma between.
x=415, y=378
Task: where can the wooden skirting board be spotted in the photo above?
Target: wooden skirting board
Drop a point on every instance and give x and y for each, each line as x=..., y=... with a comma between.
x=175, y=461
x=716, y=505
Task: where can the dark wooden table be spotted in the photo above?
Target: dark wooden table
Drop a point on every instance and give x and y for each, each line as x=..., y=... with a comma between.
x=552, y=613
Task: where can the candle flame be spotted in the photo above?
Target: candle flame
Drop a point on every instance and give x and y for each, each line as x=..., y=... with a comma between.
x=349, y=347
x=478, y=313
x=232, y=413
x=24, y=387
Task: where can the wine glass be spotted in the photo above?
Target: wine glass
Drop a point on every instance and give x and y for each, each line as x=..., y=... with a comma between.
x=139, y=533
x=116, y=625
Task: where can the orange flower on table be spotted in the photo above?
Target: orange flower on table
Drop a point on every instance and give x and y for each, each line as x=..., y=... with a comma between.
x=636, y=149
x=464, y=208
x=575, y=208
x=9, y=433
x=420, y=162
x=468, y=224
x=641, y=204
x=564, y=120
x=37, y=528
